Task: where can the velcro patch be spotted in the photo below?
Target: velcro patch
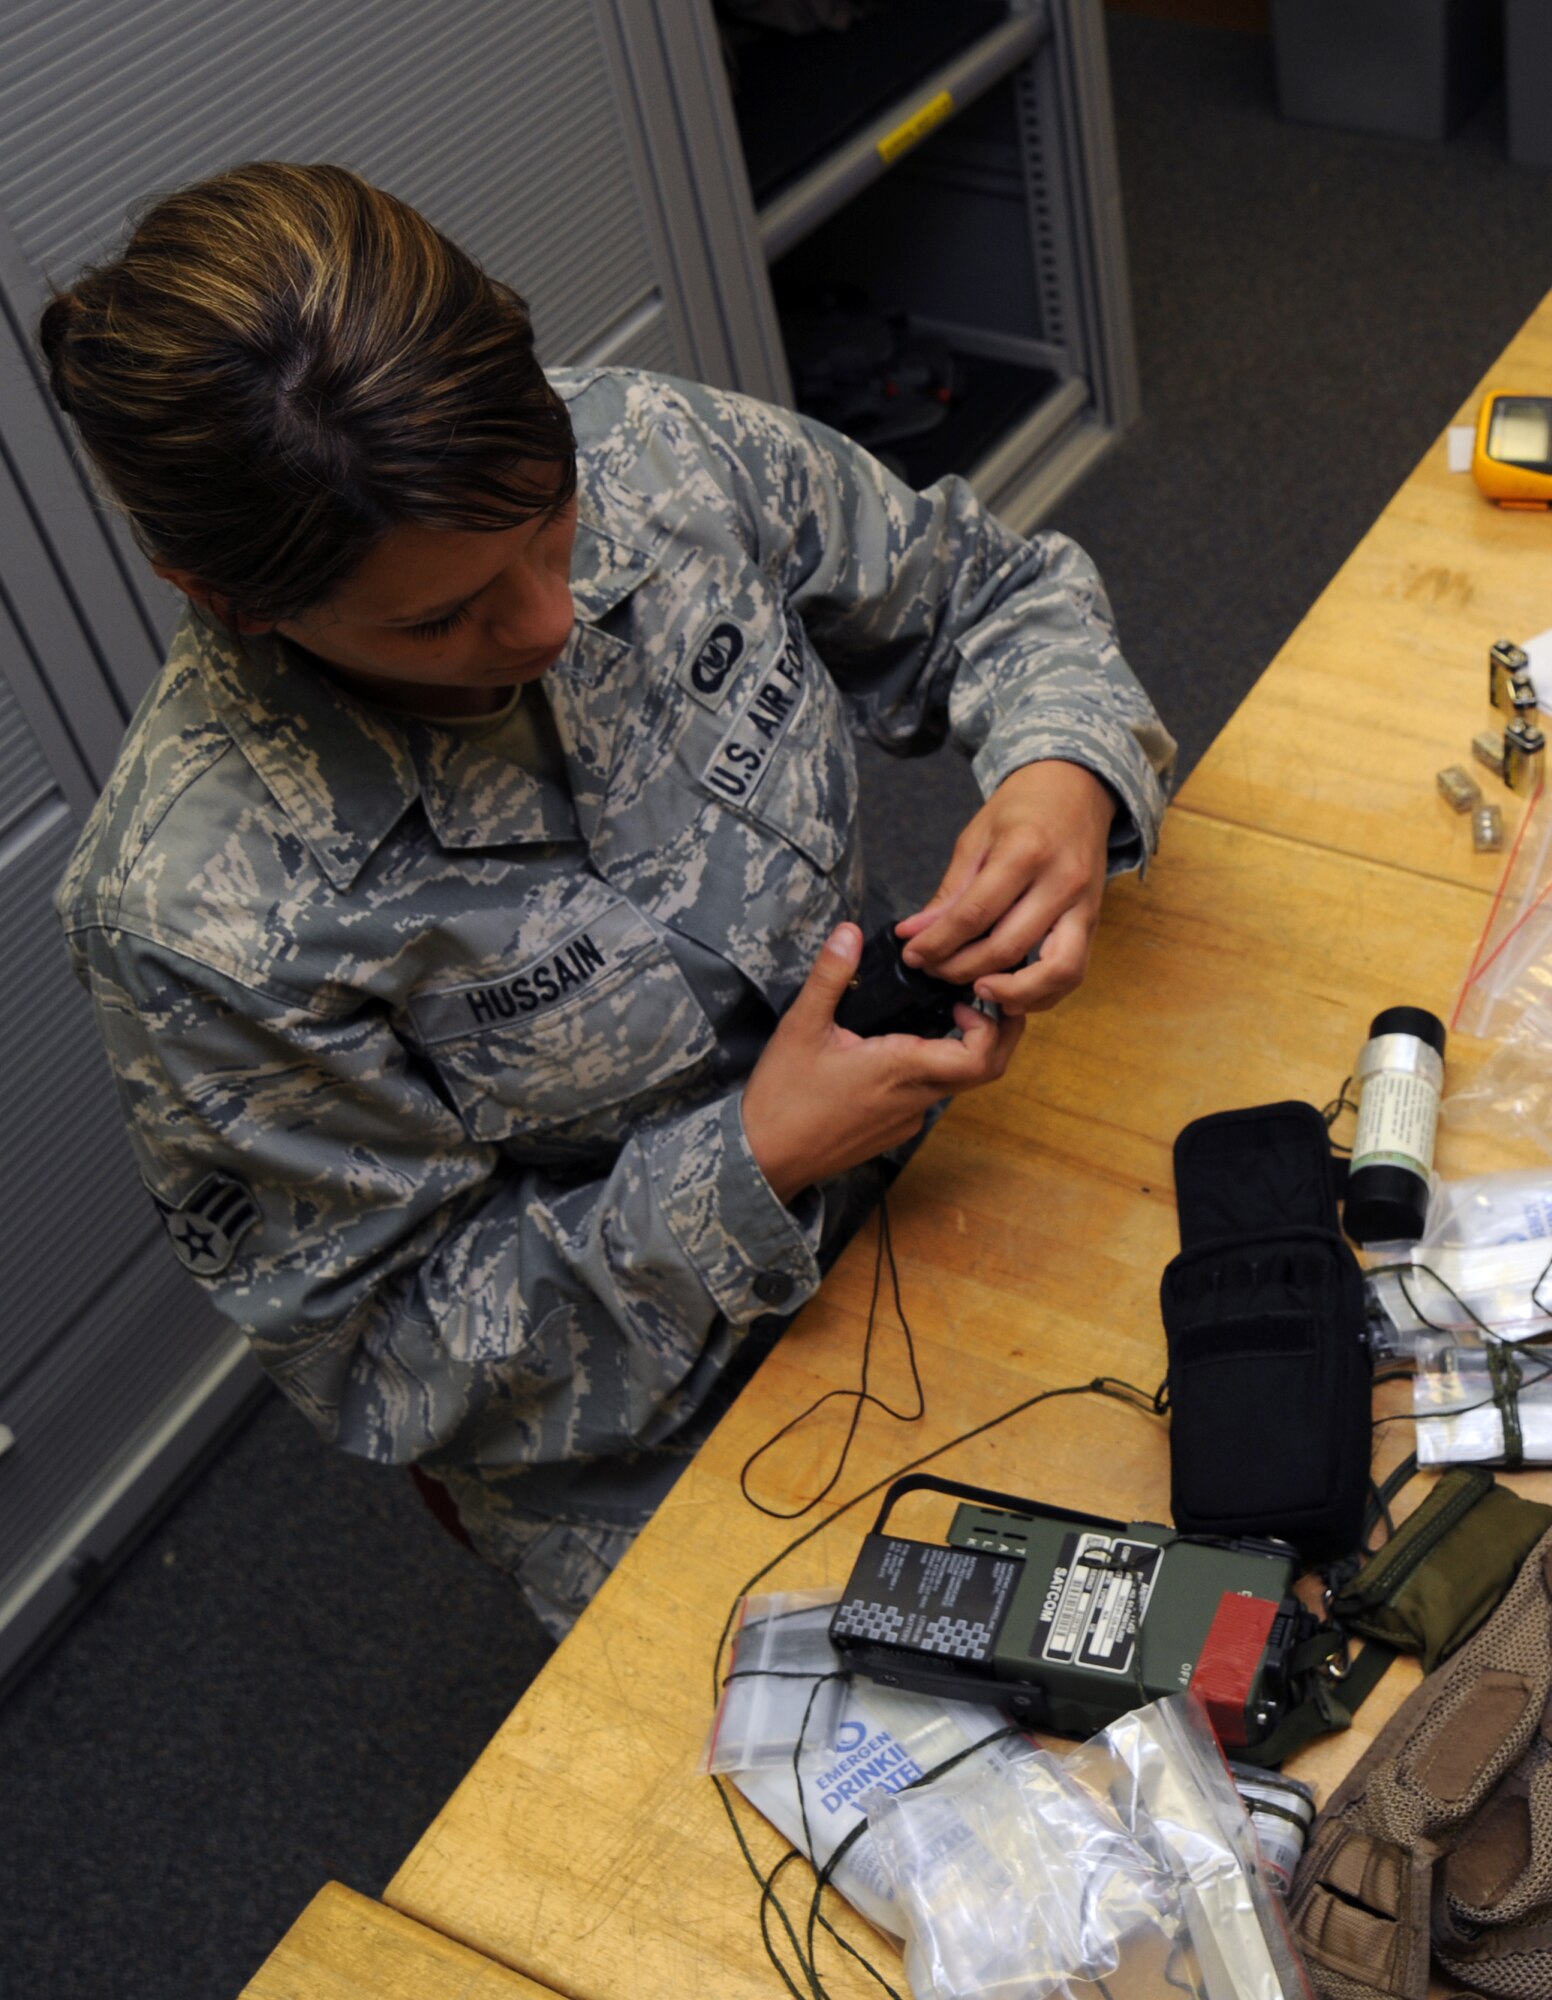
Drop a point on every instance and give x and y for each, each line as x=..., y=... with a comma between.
x=568, y=965
x=734, y=770
x=710, y=667
x=206, y=1227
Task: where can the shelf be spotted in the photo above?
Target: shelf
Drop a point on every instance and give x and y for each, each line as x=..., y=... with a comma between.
x=856, y=161
x=996, y=398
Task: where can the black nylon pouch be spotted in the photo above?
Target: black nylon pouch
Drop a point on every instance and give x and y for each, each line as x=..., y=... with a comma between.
x=1269, y=1373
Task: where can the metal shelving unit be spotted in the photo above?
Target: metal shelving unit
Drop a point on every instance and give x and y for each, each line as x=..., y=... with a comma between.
x=870, y=153
x=990, y=179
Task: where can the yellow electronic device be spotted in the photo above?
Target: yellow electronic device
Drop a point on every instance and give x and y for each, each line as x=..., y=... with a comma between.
x=1512, y=459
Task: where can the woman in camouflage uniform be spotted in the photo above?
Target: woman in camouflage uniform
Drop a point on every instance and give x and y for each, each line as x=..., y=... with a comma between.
x=467, y=910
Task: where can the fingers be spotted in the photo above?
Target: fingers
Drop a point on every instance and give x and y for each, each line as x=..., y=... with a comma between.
x=1021, y=870
x=947, y=1067
x=832, y=972
x=1059, y=970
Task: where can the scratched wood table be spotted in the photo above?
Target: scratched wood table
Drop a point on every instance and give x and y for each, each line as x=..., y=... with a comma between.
x=583, y=1848
x=348, y=1947
x=1385, y=681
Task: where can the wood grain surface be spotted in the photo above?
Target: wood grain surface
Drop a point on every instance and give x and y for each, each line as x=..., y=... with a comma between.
x=1385, y=681
x=347, y=1947
x=583, y=1847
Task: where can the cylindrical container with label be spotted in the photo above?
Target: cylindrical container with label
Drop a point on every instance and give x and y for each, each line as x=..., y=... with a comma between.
x=1400, y=1079
x=1281, y=1810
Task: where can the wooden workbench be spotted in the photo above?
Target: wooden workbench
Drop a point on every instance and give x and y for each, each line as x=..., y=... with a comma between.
x=347, y=1947
x=1309, y=877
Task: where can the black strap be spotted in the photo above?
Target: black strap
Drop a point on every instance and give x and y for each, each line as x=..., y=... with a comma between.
x=1327, y=1703
x=1382, y=1495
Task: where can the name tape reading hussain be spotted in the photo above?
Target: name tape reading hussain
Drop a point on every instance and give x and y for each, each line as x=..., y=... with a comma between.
x=580, y=958
x=740, y=761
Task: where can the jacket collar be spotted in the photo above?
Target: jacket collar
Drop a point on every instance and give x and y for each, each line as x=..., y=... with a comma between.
x=344, y=770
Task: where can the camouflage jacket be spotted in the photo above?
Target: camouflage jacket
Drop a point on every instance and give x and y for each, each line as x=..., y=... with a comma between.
x=413, y=1057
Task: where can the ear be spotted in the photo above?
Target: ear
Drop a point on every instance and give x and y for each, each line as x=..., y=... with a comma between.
x=186, y=581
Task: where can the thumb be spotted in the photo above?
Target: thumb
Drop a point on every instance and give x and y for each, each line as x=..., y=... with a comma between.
x=832, y=973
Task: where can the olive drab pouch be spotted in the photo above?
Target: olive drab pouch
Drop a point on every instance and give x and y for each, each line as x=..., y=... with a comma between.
x=1269, y=1369
x=1444, y=1570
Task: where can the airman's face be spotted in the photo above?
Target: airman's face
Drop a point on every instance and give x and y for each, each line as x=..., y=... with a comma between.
x=433, y=611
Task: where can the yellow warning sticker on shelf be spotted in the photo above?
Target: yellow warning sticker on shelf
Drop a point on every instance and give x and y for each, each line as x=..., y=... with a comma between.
x=915, y=128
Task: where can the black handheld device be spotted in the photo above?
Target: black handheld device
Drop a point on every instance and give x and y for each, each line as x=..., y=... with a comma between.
x=889, y=997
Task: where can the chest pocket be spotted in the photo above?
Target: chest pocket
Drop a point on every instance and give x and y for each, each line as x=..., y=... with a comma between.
x=782, y=754
x=590, y=1023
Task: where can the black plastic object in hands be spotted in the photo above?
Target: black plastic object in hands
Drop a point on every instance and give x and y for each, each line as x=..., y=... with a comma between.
x=889, y=997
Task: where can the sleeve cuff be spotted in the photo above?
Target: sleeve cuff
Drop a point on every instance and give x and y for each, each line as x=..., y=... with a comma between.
x=752, y=1254
x=1114, y=753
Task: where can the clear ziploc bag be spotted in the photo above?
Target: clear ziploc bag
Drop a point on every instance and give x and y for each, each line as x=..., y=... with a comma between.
x=1457, y=1401
x=1486, y=1246
x=1488, y=1210
x=868, y=1740
x=1511, y=969
x=777, y=1686
x=1129, y=1866
x=1018, y=1883
x=1165, y=1775
x=1428, y=1288
x=1506, y=998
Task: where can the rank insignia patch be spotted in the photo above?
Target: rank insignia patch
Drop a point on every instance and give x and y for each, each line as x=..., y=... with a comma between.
x=208, y=1225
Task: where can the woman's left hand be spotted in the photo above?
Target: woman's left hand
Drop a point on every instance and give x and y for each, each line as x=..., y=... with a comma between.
x=1027, y=874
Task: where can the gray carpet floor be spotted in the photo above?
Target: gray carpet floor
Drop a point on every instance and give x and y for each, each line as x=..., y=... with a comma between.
x=286, y=1680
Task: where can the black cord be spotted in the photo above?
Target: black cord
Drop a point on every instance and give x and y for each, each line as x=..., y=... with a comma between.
x=1110, y=1386
x=860, y=1396
x=1466, y=1409
x=1333, y=1111
x=1490, y=1334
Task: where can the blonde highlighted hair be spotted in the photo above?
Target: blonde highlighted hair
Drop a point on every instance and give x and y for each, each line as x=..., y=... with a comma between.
x=283, y=364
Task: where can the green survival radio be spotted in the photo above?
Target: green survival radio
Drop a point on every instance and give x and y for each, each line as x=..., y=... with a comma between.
x=1067, y=1620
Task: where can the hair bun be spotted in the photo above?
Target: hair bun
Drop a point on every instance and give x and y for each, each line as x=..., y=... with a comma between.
x=53, y=329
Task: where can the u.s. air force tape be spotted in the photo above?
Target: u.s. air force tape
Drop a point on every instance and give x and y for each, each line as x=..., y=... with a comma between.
x=739, y=762
x=206, y=1227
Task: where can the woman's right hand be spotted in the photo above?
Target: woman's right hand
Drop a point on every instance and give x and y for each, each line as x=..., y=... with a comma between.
x=822, y=1099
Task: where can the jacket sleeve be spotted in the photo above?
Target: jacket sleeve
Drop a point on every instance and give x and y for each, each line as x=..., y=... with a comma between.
x=935, y=617
x=413, y=1291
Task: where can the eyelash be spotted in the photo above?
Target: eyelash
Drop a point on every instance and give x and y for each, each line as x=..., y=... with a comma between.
x=438, y=628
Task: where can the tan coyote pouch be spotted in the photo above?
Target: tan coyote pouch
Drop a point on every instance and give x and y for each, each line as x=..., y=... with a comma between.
x=1439, y=1842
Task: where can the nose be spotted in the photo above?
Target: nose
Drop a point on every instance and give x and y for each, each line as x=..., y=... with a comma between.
x=530, y=612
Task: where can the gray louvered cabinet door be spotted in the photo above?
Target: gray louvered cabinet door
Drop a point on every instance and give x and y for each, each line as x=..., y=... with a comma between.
x=113, y=1370
x=535, y=132
x=514, y=125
